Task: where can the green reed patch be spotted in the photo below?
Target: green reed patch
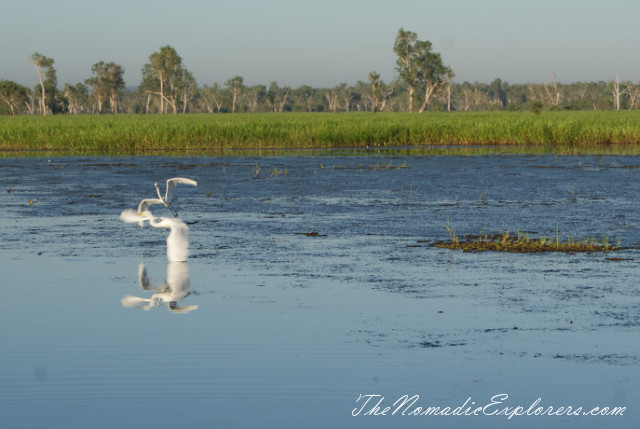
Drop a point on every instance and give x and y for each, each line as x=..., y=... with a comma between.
x=521, y=242
x=562, y=132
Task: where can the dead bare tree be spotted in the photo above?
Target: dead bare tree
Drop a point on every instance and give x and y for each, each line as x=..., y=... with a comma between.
x=633, y=92
x=553, y=94
x=617, y=92
x=31, y=103
x=332, y=98
x=44, y=66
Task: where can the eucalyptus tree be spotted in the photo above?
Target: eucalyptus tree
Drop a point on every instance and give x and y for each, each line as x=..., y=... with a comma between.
x=516, y=95
x=255, y=96
x=552, y=93
x=332, y=95
x=213, y=98
x=617, y=91
x=14, y=95
x=185, y=88
x=149, y=85
x=378, y=92
x=345, y=95
x=362, y=100
x=406, y=47
x=236, y=86
x=165, y=75
x=132, y=101
x=633, y=92
x=432, y=73
x=48, y=81
x=597, y=94
x=77, y=96
x=497, y=92
x=419, y=66
x=164, y=63
x=98, y=93
x=115, y=77
x=462, y=95
x=358, y=94
x=448, y=81
x=305, y=97
x=107, y=84
x=277, y=97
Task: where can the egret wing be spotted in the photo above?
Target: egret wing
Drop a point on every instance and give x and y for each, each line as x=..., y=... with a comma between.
x=172, y=183
x=129, y=216
x=144, y=204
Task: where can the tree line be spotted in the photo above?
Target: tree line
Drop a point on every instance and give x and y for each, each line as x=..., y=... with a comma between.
x=423, y=83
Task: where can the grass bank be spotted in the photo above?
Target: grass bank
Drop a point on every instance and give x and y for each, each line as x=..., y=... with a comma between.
x=133, y=134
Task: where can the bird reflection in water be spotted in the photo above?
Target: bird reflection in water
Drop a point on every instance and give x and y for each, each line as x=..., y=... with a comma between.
x=171, y=293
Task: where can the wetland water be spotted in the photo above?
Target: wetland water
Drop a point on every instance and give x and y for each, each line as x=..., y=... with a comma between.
x=292, y=326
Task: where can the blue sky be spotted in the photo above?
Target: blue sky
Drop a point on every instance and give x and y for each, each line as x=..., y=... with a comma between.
x=325, y=42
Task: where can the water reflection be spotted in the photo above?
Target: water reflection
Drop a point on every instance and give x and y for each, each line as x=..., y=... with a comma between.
x=175, y=289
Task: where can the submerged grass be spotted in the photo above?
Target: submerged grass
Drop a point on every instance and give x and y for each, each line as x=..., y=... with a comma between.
x=567, y=132
x=522, y=243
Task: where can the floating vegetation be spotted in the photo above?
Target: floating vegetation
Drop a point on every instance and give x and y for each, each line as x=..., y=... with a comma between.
x=311, y=234
x=437, y=343
x=521, y=242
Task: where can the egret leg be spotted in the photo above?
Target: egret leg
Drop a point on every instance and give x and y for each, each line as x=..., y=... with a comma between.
x=173, y=210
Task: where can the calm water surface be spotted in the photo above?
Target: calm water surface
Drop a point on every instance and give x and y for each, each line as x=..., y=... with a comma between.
x=311, y=283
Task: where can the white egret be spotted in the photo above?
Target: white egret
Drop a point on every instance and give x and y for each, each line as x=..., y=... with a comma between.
x=171, y=187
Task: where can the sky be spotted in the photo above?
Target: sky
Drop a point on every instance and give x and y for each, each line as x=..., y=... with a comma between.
x=323, y=43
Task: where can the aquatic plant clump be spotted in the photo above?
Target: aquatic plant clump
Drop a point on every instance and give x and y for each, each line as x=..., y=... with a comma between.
x=522, y=243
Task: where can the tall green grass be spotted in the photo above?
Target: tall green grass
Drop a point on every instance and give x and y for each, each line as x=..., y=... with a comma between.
x=130, y=134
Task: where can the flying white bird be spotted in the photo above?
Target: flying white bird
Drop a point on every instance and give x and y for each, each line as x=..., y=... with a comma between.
x=171, y=187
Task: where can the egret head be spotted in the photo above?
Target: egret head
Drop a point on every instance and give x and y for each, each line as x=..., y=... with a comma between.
x=159, y=194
